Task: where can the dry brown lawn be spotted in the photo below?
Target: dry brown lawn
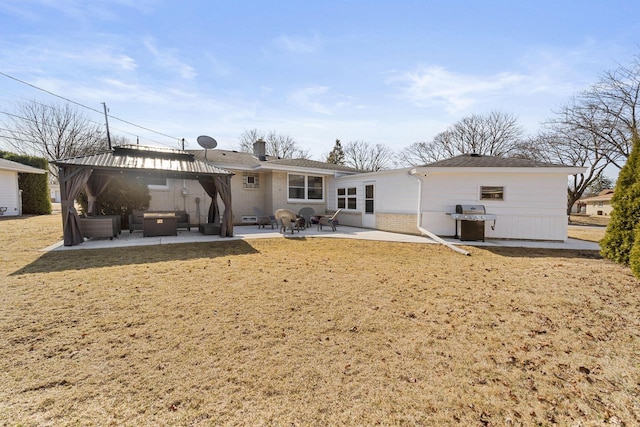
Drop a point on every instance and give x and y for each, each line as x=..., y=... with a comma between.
x=315, y=332
x=591, y=234
x=602, y=221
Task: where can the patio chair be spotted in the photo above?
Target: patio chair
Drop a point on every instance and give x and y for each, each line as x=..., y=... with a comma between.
x=331, y=221
x=306, y=213
x=264, y=219
x=287, y=220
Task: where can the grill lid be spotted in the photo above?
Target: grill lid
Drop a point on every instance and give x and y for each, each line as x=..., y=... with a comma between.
x=473, y=217
x=471, y=209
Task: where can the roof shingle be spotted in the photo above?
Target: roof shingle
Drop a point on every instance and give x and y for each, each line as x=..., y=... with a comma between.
x=227, y=157
x=482, y=161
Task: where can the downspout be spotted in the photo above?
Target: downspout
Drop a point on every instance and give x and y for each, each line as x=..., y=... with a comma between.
x=429, y=234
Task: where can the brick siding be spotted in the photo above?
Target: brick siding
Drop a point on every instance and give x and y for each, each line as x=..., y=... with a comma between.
x=398, y=223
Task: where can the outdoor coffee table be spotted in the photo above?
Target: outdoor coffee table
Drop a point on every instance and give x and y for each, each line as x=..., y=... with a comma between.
x=159, y=224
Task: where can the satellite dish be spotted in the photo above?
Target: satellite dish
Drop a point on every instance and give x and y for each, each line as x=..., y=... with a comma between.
x=207, y=142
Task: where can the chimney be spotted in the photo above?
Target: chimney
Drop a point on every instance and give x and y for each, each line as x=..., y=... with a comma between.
x=260, y=149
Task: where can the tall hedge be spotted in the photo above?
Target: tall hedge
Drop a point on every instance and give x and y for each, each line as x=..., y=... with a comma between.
x=36, y=198
x=620, y=235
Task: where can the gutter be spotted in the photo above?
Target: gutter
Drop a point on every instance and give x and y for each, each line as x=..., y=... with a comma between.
x=426, y=232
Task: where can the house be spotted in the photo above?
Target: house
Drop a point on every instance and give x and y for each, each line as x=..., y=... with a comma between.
x=528, y=198
x=10, y=195
x=598, y=205
x=260, y=181
x=54, y=191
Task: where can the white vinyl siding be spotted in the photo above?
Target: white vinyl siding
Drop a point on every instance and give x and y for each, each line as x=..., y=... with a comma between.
x=9, y=192
x=535, y=207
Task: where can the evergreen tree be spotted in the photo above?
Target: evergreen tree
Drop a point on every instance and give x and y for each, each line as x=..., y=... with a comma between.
x=620, y=236
x=599, y=184
x=634, y=256
x=336, y=156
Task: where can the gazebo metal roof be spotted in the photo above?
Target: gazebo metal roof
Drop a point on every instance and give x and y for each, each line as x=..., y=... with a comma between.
x=132, y=158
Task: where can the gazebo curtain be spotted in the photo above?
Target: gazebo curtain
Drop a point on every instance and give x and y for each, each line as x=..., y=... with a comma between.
x=209, y=186
x=215, y=185
x=95, y=186
x=223, y=183
x=72, y=180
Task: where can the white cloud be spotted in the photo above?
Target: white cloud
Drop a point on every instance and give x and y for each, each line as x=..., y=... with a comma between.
x=298, y=44
x=565, y=71
x=457, y=92
x=170, y=61
x=309, y=99
x=102, y=56
x=34, y=53
x=79, y=10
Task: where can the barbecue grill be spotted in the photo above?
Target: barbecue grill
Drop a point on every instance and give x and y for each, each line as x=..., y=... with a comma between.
x=472, y=218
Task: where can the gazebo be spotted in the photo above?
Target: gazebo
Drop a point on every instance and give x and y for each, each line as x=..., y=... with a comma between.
x=94, y=172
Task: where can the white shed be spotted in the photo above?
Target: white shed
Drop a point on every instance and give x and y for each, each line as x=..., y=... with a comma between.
x=529, y=198
x=9, y=193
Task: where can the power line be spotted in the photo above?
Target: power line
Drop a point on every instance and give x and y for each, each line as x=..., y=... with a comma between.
x=87, y=107
x=88, y=120
x=55, y=128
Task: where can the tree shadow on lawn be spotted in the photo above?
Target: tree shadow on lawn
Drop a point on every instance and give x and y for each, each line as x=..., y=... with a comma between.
x=541, y=253
x=96, y=258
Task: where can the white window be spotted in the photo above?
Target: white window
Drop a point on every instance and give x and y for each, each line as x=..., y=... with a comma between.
x=250, y=180
x=306, y=187
x=368, y=199
x=491, y=193
x=155, y=183
x=347, y=198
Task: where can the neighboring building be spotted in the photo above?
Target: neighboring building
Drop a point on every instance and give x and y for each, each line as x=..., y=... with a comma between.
x=10, y=197
x=599, y=205
x=54, y=191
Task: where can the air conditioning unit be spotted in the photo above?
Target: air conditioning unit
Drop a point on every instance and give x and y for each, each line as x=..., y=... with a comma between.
x=249, y=219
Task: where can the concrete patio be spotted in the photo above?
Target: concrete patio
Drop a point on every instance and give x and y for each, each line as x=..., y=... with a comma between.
x=249, y=232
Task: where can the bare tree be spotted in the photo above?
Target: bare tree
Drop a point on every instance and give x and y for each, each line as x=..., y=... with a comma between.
x=609, y=111
x=420, y=153
x=278, y=145
x=367, y=157
x=493, y=134
x=563, y=145
x=248, y=137
x=52, y=131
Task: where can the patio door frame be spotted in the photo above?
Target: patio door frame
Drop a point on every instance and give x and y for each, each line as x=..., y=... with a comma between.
x=369, y=218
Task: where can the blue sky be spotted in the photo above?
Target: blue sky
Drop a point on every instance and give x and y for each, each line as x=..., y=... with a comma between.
x=389, y=72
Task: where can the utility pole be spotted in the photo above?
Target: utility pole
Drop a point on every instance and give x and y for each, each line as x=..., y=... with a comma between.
x=106, y=120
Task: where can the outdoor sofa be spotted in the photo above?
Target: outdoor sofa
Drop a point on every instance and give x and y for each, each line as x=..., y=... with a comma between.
x=100, y=226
